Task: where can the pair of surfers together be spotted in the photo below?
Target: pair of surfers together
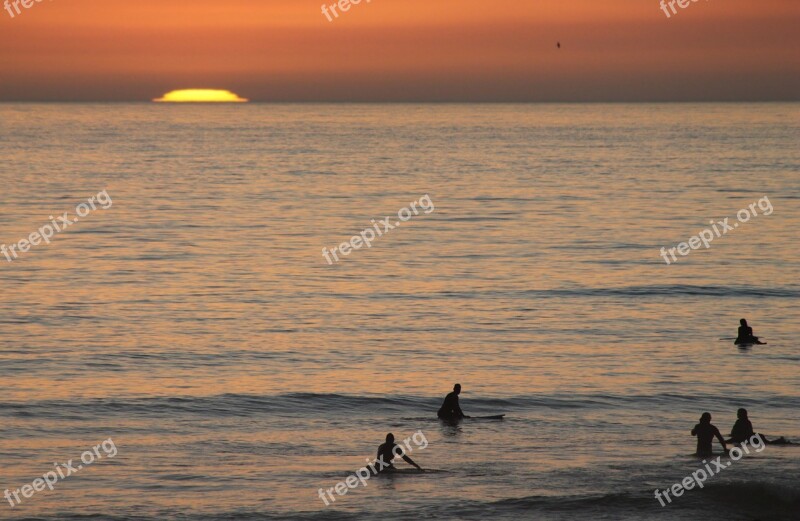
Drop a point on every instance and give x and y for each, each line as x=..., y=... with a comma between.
x=741, y=432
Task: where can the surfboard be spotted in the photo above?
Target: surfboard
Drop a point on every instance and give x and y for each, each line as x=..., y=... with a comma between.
x=400, y=471
x=782, y=441
x=456, y=421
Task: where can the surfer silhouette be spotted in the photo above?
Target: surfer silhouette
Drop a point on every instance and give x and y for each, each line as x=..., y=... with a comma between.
x=450, y=410
x=746, y=335
x=743, y=430
x=388, y=451
x=705, y=433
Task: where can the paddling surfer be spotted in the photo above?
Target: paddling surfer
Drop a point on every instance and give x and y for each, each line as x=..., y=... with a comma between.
x=450, y=410
x=705, y=433
x=388, y=451
x=746, y=335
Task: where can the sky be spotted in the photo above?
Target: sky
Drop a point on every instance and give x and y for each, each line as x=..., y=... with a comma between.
x=403, y=50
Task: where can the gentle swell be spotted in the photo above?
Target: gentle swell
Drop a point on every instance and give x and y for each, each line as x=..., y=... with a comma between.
x=296, y=404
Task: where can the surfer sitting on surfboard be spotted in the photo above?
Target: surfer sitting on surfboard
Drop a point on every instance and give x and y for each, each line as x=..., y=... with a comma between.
x=743, y=430
x=705, y=433
x=746, y=335
x=387, y=452
x=450, y=409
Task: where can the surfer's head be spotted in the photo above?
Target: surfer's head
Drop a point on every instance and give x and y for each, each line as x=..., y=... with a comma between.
x=742, y=414
x=743, y=322
x=705, y=417
x=457, y=388
x=390, y=438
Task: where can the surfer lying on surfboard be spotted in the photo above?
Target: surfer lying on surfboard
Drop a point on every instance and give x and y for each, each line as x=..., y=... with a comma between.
x=743, y=430
x=746, y=335
x=450, y=410
x=388, y=451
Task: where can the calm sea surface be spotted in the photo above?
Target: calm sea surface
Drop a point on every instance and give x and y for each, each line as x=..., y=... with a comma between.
x=196, y=323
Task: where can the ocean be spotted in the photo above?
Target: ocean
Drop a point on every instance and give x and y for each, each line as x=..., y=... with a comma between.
x=196, y=322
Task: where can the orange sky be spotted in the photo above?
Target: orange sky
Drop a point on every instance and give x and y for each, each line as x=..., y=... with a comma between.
x=403, y=50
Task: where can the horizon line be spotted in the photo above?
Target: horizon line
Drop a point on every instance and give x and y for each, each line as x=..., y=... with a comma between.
x=418, y=102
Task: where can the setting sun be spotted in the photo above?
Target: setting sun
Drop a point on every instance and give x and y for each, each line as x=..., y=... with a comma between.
x=201, y=96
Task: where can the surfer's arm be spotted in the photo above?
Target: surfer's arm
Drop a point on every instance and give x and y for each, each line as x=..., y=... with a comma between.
x=379, y=456
x=411, y=462
x=721, y=439
x=458, y=411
